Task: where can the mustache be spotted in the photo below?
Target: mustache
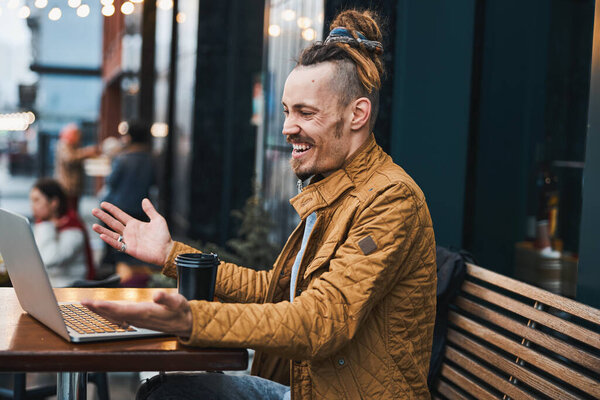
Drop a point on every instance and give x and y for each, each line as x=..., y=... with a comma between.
x=298, y=139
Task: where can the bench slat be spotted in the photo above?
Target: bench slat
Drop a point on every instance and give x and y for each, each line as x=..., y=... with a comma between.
x=483, y=373
x=527, y=377
x=564, y=349
x=529, y=312
x=570, y=306
x=535, y=358
x=467, y=384
x=449, y=392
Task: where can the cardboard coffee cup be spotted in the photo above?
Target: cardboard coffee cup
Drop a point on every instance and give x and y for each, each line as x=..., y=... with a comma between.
x=197, y=275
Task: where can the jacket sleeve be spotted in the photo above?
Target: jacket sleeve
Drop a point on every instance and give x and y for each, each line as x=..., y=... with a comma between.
x=324, y=318
x=234, y=283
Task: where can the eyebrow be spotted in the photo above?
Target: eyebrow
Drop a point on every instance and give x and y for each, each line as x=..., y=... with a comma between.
x=301, y=105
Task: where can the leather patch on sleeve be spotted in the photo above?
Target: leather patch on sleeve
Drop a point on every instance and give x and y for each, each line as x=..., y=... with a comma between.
x=367, y=245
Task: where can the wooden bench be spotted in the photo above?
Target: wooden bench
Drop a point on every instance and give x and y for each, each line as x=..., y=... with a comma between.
x=507, y=339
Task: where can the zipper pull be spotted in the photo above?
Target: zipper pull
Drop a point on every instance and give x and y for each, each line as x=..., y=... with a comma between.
x=299, y=185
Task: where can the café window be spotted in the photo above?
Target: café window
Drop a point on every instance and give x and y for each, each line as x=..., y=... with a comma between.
x=292, y=25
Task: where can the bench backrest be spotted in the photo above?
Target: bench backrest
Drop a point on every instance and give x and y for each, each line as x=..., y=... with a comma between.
x=508, y=339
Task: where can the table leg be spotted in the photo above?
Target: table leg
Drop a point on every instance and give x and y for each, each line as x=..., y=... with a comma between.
x=71, y=386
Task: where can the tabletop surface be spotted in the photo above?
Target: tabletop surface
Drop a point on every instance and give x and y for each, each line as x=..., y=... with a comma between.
x=28, y=345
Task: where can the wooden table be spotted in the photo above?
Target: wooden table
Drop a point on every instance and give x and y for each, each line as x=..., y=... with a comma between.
x=28, y=346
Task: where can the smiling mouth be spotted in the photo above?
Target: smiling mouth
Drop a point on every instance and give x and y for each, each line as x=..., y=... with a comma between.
x=300, y=148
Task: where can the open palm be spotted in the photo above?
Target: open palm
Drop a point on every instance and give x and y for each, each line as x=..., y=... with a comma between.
x=147, y=241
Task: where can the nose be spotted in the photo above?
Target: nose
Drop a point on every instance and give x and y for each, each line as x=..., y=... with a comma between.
x=290, y=127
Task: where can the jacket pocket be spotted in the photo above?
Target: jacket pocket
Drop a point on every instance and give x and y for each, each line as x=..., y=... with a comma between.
x=321, y=260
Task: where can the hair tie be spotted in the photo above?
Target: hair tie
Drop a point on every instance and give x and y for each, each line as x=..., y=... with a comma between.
x=343, y=35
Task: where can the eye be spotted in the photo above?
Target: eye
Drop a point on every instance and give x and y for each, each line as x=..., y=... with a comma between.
x=285, y=111
x=306, y=113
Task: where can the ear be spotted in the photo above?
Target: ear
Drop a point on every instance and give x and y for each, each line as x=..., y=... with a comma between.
x=361, y=112
x=54, y=205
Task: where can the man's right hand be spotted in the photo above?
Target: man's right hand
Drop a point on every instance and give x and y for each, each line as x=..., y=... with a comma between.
x=147, y=241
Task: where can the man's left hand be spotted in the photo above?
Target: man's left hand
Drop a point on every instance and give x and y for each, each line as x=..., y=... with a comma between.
x=169, y=313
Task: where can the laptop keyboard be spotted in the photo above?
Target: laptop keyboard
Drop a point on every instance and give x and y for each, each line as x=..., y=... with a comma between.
x=82, y=320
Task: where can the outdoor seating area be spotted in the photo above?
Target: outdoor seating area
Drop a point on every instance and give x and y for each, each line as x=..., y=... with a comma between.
x=299, y=199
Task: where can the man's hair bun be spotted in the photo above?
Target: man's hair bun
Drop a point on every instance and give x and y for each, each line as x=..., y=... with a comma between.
x=354, y=46
x=369, y=63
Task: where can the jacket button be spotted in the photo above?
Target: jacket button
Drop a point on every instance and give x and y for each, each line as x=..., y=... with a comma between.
x=341, y=361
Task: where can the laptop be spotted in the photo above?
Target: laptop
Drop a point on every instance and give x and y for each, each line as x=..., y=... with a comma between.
x=26, y=270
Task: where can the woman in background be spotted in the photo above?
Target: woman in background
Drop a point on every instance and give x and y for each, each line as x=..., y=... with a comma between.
x=60, y=235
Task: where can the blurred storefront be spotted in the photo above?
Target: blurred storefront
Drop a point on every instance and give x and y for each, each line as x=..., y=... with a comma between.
x=66, y=53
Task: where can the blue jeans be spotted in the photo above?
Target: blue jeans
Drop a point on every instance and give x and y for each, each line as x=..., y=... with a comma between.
x=211, y=386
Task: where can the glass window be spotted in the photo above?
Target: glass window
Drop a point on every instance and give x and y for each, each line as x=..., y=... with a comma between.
x=292, y=25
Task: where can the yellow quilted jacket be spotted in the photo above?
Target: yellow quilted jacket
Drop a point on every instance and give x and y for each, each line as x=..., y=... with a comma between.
x=361, y=324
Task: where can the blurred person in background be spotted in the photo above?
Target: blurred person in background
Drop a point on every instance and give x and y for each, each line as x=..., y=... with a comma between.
x=130, y=181
x=132, y=174
x=60, y=235
x=69, y=162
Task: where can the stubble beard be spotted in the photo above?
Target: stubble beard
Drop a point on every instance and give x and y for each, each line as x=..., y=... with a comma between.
x=296, y=165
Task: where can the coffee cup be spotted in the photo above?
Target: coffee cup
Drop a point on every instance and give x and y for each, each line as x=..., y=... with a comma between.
x=197, y=275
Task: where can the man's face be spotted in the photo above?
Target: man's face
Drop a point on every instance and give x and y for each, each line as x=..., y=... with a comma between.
x=315, y=123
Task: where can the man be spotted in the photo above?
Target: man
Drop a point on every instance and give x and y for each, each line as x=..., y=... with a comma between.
x=348, y=309
x=69, y=162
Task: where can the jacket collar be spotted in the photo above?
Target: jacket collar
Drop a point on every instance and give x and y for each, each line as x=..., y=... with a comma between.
x=327, y=190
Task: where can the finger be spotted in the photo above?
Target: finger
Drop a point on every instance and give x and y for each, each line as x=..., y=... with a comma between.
x=118, y=311
x=102, y=309
x=112, y=242
x=150, y=210
x=116, y=212
x=171, y=301
x=108, y=220
x=103, y=231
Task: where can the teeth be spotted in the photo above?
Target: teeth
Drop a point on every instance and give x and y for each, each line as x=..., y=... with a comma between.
x=301, y=147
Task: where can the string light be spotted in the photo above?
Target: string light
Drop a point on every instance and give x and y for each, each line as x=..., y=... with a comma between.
x=55, y=14
x=16, y=121
x=304, y=22
x=274, y=30
x=40, y=3
x=107, y=2
x=180, y=17
x=123, y=127
x=74, y=3
x=309, y=34
x=24, y=12
x=159, y=129
x=83, y=11
x=108, y=10
x=127, y=8
x=288, y=15
x=164, y=4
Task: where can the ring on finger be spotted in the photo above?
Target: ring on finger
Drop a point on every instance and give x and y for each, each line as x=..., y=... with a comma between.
x=120, y=239
x=123, y=247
